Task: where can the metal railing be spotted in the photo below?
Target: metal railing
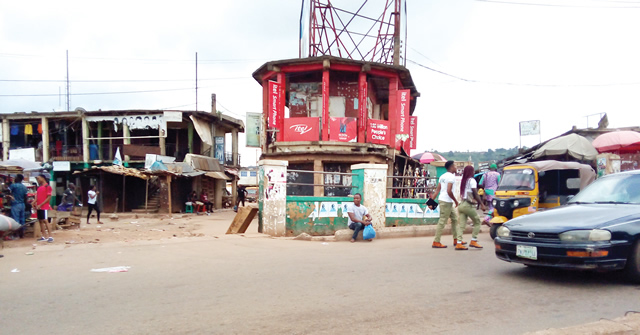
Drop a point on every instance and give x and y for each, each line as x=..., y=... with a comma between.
x=332, y=186
x=412, y=186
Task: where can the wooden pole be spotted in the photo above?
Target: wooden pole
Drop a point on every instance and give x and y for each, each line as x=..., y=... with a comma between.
x=146, y=198
x=169, y=192
x=123, y=191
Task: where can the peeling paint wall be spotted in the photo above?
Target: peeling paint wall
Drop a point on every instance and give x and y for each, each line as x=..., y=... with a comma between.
x=318, y=216
x=273, y=179
x=374, y=191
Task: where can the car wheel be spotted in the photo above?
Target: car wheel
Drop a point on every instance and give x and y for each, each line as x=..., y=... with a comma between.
x=633, y=263
x=493, y=232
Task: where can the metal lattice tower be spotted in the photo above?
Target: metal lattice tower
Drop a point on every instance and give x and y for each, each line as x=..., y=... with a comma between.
x=337, y=32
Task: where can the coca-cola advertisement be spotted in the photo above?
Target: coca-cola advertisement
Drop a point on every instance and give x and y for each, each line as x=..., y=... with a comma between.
x=301, y=129
x=378, y=132
x=343, y=129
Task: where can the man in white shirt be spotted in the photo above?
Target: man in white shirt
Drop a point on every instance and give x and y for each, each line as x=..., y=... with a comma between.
x=446, y=199
x=358, y=216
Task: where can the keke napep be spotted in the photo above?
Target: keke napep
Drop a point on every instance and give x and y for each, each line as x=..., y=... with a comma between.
x=527, y=188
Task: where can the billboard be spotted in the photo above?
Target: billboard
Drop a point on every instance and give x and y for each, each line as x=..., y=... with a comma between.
x=253, y=125
x=301, y=129
x=343, y=129
x=378, y=132
x=274, y=104
x=529, y=128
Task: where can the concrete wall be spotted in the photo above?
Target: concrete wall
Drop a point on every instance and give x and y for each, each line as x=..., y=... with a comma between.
x=273, y=196
x=409, y=212
x=316, y=216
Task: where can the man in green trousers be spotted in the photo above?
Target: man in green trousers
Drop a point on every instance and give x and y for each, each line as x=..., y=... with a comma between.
x=446, y=200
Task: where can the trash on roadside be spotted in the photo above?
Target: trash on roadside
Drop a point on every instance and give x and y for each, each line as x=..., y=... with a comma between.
x=325, y=243
x=15, y=270
x=29, y=253
x=134, y=222
x=113, y=269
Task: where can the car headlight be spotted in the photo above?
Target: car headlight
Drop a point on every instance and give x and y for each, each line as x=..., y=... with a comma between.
x=585, y=235
x=516, y=203
x=494, y=202
x=504, y=231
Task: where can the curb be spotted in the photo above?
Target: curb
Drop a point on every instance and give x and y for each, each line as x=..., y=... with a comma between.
x=401, y=232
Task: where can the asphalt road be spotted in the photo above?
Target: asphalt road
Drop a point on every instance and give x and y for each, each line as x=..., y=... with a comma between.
x=239, y=285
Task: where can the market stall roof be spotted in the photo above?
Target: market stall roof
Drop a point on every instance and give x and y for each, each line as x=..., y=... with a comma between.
x=117, y=169
x=203, y=163
x=217, y=175
x=573, y=145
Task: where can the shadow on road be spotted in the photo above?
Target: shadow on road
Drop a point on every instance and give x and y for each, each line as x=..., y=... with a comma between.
x=568, y=277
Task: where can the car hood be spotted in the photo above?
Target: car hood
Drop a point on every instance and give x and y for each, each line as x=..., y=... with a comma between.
x=580, y=216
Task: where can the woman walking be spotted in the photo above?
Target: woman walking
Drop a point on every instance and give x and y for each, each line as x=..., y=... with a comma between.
x=490, y=182
x=92, y=202
x=469, y=193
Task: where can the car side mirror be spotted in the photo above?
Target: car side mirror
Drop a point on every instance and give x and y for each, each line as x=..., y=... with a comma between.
x=570, y=197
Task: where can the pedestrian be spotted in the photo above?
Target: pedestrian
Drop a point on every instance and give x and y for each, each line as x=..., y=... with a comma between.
x=469, y=192
x=490, y=182
x=68, y=199
x=93, y=203
x=18, y=195
x=242, y=195
x=446, y=199
x=43, y=196
x=358, y=216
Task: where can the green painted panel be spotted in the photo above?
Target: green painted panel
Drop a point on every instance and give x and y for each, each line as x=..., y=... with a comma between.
x=322, y=199
x=410, y=221
x=407, y=201
x=298, y=220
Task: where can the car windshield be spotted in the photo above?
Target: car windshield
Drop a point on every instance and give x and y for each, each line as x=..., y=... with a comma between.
x=622, y=188
x=520, y=179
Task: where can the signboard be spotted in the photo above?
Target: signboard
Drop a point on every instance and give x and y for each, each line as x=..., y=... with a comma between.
x=61, y=166
x=413, y=129
x=530, y=128
x=134, y=122
x=172, y=116
x=253, y=129
x=378, y=132
x=28, y=154
x=403, y=112
x=411, y=142
x=343, y=129
x=301, y=129
x=219, y=148
x=274, y=104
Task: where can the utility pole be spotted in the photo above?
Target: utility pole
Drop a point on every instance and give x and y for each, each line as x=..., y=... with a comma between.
x=68, y=99
x=396, y=33
x=196, y=81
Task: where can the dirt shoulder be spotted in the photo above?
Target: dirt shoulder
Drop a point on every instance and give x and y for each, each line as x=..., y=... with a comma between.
x=131, y=228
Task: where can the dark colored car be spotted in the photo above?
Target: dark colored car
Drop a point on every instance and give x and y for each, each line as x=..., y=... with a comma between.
x=599, y=229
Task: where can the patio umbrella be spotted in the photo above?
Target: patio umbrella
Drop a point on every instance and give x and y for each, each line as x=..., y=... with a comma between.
x=618, y=141
x=428, y=157
x=573, y=145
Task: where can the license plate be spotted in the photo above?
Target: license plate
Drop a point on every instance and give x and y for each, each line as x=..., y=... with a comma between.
x=526, y=251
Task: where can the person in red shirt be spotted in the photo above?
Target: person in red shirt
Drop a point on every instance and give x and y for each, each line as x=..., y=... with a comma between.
x=43, y=196
x=208, y=204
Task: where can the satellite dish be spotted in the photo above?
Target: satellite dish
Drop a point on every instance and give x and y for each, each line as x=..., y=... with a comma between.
x=80, y=110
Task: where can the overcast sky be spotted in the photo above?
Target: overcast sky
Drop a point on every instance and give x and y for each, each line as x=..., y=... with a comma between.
x=557, y=61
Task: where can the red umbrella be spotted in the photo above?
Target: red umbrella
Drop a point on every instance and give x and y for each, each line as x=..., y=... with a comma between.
x=618, y=141
x=428, y=157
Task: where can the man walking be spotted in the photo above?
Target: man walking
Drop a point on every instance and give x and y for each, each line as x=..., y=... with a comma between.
x=92, y=202
x=358, y=216
x=18, y=193
x=68, y=199
x=242, y=196
x=446, y=199
x=490, y=181
x=43, y=196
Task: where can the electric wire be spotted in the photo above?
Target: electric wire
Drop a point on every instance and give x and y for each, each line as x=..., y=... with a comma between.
x=554, y=5
x=519, y=84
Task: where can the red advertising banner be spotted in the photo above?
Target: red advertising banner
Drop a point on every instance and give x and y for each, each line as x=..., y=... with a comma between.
x=403, y=112
x=343, y=129
x=413, y=131
x=301, y=129
x=378, y=132
x=411, y=142
x=274, y=104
